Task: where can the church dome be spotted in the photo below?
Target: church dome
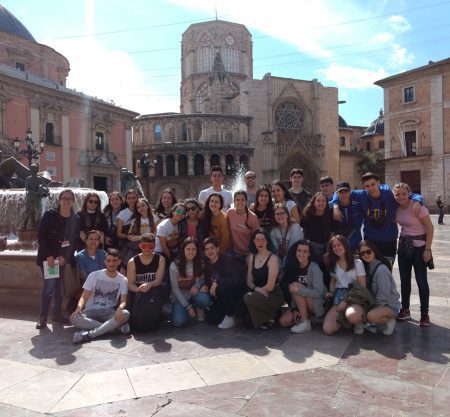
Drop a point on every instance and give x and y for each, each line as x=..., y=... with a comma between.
x=9, y=24
x=342, y=123
x=376, y=127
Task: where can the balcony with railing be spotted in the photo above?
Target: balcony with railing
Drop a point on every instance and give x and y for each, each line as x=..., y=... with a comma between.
x=410, y=153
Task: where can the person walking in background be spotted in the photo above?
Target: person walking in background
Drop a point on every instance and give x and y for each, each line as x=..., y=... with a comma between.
x=440, y=203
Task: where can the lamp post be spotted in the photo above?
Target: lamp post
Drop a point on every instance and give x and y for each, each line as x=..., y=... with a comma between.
x=32, y=150
x=144, y=164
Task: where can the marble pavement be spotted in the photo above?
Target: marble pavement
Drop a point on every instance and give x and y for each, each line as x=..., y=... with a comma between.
x=203, y=371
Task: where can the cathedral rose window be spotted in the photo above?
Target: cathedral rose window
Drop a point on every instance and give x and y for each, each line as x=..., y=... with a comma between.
x=289, y=118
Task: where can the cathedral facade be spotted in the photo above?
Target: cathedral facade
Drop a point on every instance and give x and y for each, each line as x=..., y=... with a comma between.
x=228, y=118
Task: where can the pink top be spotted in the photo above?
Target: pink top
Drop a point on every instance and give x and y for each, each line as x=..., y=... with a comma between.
x=411, y=225
x=241, y=233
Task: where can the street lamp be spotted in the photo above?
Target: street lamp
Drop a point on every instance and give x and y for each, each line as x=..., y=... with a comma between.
x=144, y=164
x=32, y=150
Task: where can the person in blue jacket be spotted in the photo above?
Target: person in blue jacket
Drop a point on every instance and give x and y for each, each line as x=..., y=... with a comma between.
x=378, y=207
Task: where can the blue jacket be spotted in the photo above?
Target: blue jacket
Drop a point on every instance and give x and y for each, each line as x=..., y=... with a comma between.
x=378, y=213
x=86, y=264
x=351, y=223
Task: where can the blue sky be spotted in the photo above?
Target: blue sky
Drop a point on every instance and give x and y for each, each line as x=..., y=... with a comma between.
x=129, y=52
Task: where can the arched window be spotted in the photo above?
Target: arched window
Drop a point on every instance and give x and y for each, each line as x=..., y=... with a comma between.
x=170, y=165
x=157, y=131
x=214, y=160
x=199, y=165
x=158, y=166
x=182, y=166
x=243, y=160
x=229, y=165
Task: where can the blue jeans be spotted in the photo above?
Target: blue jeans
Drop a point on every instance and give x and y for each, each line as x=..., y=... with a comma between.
x=52, y=290
x=180, y=315
x=405, y=266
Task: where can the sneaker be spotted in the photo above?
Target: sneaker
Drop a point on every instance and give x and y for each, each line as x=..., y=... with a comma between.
x=404, y=314
x=42, y=323
x=358, y=328
x=301, y=327
x=424, y=320
x=371, y=327
x=389, y=328
x=124, y=329
x=200, y=314
x=81, y=337
x=227, y=323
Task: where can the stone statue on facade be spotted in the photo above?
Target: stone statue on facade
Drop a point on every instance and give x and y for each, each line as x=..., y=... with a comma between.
x=36, y=189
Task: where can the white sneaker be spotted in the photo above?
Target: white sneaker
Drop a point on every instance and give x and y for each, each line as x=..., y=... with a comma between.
x=301, y=327
x=372, y=328
x=227, y=323
x=389, y=329
x=358, y=328
x=200, y=314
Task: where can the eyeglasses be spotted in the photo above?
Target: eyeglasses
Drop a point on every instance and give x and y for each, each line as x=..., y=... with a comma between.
x=180, y=211
x=251, y=177
x=193, y=208
x=281, y=213
x=67, y=198
x=93, y=201
x=366, y=252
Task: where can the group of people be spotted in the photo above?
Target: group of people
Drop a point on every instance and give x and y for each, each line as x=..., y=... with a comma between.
x=258, y=257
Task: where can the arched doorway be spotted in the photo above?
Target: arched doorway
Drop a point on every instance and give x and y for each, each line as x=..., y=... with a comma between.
x=310, y=170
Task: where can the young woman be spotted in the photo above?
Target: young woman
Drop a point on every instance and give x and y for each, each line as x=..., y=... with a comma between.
x=214, y=222
x=344, y=271
x=281, y=196
x=188, y=286
x=164, y=208
x=382, y=286
x=306, y=287
x=57, y=237
x=284, y=233
x=91, y=217
x=317, y=223
x=145, y=273
x=263, y=207
x=265, y=296
x=91, y=258
x=242, y=225
x=111, y=210
x=125, y=215
x=190, y=226
x=414, y=251
x=142, y=222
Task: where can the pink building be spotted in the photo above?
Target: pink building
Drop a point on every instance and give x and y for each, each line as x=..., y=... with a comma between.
x=86, y=139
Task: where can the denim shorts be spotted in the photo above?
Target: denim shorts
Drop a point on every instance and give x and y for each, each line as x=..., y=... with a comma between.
x=339, y=294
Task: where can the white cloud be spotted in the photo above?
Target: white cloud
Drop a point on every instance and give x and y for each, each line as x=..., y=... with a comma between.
x=399, y=56
x=111, y=75
x=345, y=76
x=399, y=23
x=383, y=37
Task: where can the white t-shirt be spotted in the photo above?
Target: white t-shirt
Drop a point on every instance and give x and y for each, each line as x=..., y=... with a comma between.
x=125, y=215
x=227, y=197
x=170, y=232
x=344, y=278
x=105, y=291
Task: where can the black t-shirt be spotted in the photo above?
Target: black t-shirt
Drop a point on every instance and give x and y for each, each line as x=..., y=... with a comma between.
x=302, y=276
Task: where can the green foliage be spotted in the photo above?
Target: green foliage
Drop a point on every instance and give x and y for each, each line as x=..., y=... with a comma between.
x=372, y=162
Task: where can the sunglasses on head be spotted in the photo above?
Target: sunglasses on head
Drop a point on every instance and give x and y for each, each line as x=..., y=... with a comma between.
x=366, y=252
x=192, y=208
x=180, y=211
x=93, y=201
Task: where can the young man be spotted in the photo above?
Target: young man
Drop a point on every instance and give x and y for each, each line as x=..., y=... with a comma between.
x=101, y=307
x=222, y=277
x=250, y=187
x=352, y=216
x=378, y=208
x=326, y=186
x=216, y=181
x=298, y=193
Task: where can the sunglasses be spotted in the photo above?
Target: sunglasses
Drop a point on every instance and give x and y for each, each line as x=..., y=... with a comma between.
x=366, y=252
x=180, y=211
x=93, y=202
x=147, y=245
x=193, y=208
